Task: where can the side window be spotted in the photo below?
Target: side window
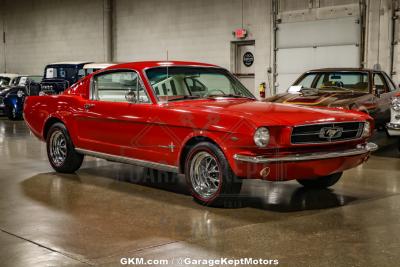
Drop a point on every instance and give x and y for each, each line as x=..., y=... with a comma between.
x=121, y=86
x=379, y=83
x=307, y=80
x=195, y=86
x=390, y=83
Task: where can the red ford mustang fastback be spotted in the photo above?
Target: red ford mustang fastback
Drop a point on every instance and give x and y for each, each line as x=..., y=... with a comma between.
x=199, y=120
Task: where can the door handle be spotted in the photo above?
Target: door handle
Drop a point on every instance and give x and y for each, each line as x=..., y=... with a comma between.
x=88, y=106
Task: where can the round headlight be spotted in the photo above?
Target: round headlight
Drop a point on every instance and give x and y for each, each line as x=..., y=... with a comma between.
x=367, y=129
x=396, y=103
x=20, y=93
x=261, y=137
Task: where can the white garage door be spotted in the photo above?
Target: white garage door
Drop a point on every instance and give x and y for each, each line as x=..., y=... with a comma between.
x=302, y=46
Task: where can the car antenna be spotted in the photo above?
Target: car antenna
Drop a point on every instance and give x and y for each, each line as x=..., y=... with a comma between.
x=167, y=74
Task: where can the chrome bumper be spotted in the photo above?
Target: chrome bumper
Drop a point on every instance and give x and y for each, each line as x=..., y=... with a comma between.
x=393, y=129
x=393, y=126
x=361, y=149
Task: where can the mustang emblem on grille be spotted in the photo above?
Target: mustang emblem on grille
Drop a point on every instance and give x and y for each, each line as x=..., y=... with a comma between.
x=331, y=132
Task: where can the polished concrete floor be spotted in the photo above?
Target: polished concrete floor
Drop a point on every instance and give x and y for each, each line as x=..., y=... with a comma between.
x=110, y=211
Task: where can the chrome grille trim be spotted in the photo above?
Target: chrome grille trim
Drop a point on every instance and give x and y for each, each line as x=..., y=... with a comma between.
x=311, y=133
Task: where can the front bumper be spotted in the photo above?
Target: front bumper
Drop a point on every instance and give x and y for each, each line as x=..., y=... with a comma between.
x=301, y=166
x=393, y=129
x=361, y=149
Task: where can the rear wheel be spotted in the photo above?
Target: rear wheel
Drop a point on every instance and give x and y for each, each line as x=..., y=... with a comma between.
x=60, y=150
x=322, y=182
x=210, y=178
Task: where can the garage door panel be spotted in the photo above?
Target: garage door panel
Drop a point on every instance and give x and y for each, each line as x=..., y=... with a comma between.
x=320, y=33
x=291, y=63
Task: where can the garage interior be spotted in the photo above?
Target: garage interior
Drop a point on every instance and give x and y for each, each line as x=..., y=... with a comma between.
x=108, y=211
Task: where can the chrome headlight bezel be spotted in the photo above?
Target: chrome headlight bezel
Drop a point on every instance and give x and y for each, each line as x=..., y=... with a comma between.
x=395, y=103
x=367, y=130
x=20, y=93
x=261, y=137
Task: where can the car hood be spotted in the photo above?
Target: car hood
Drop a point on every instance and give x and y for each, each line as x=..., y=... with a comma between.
x=266, y=113
x=4, y=92
x=321, y=98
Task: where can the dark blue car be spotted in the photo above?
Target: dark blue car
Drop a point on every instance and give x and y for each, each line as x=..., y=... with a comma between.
x=59, y=76
x=12, y=99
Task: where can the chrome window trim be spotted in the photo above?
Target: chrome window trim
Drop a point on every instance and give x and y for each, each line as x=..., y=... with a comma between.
x=92, y=88
x=127, y=160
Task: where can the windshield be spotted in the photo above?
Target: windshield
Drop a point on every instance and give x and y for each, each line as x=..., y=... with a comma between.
x=36, y=79
x=336, y=81
x=175, y=83
x=4, y=81
x=65, y=73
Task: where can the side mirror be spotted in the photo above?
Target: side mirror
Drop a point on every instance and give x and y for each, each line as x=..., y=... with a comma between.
x=380, y=91
x=130, y=96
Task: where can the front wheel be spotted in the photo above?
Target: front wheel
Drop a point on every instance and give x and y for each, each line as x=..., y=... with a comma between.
x=322, y=182
x=60, y=150
x=210, y=178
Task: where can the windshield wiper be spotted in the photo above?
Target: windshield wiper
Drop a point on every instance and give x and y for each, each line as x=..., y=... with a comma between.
x=231, y=95
x=338, y=87
x=184, y=97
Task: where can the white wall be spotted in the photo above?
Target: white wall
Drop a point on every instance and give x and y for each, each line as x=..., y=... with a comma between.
x=40, y=32
x=191, y=30
x=43, y=31
x=2, y=55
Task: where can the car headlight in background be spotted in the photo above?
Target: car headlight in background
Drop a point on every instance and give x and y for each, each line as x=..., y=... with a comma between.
x=396, y=103
x=367, y=131
x=261, y=137
x=20, y=93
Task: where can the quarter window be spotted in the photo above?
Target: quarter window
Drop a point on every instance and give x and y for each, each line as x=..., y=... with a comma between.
x=379, y=82
x=121, y=86
x=307, y=81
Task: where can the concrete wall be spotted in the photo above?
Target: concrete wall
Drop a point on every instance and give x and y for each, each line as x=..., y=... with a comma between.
x=2, y=54
x=43, y=31
x=39, y=32
x=191, y=30
x=378, y=34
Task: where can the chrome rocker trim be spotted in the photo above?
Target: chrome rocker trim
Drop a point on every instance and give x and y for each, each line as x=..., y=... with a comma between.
x=132, y=161
x=361, y=149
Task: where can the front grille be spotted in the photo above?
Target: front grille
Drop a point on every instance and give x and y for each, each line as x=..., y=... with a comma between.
x=326, y=132
x=51, y=88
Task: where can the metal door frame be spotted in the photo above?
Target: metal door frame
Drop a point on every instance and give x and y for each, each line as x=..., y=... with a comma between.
x=276, y=21
x=234, y=59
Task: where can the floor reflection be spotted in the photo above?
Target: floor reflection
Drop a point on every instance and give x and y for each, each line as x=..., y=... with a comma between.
x=263, y=195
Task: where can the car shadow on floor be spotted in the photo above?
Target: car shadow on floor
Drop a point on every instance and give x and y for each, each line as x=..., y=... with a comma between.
x=388, y=146
x=278, y=197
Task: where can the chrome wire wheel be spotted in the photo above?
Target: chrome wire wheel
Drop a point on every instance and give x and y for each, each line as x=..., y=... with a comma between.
x=58, y=148
x=205, y=175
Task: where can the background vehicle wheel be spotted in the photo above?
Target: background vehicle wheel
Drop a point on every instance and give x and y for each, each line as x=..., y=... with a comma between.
x=398, y=144
x=322, y=182
x=210, y=178
x=12, y=113
x=60, y=150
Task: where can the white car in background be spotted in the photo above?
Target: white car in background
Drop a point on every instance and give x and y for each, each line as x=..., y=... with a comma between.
x=93, y=67
x=8, y=79
x=393, y=126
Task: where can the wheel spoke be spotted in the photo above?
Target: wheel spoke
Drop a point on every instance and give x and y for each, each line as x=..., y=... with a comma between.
x=205, y=174
x=58, y=148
